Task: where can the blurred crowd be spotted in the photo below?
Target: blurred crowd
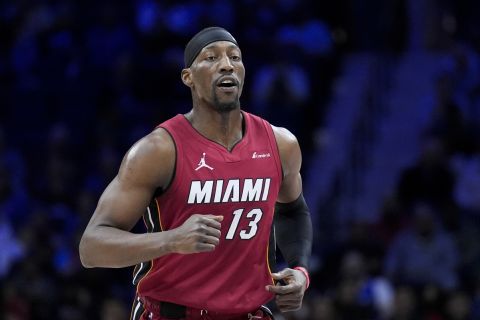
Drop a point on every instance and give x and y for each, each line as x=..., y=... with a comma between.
x=80, y=81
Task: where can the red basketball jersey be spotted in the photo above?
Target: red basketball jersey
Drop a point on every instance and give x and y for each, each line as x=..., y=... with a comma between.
x=242, y=185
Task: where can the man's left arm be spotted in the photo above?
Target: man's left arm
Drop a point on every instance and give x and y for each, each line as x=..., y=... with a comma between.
x=293, y=227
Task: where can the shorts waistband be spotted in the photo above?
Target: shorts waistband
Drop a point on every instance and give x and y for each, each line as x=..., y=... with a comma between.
x=175, y=311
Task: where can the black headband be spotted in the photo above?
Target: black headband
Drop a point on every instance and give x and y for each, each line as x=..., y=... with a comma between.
x=203, y=38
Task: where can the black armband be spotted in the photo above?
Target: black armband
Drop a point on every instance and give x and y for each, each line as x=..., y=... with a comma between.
x=293, y=228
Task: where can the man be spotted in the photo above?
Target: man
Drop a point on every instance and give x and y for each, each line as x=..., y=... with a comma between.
x=207, y=184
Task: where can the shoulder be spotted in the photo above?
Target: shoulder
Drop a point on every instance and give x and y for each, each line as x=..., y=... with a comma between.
x=284, y=137
x=156, y=143
x=151, y=157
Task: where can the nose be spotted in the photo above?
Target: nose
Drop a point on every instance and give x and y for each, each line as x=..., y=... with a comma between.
x=226, y=65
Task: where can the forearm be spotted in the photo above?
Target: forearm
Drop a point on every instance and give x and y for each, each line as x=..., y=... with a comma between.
x=105, y=246
x=293, y=227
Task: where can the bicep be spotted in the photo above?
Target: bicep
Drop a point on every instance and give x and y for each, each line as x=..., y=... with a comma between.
x=121, y=205
x=148, y=165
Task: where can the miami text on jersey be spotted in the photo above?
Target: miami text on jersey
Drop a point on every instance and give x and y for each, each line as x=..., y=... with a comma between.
x=236, y=190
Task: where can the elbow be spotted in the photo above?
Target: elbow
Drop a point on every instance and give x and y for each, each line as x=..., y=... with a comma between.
x=85, y=253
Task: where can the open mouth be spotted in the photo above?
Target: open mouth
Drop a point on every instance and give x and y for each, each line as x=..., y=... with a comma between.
x=227, y=83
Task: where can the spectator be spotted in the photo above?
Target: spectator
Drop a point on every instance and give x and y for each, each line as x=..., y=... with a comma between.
x=423, y=254
x=359, y=294
x=281, y=89
x=430, y=179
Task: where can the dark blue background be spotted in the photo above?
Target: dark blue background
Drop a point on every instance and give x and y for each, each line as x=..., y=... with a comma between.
x=80, y=81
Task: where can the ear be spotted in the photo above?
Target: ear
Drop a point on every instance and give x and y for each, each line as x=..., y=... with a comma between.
x=187, y=77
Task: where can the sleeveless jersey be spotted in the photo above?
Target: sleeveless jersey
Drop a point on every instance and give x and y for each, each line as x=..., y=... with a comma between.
x=242, y=185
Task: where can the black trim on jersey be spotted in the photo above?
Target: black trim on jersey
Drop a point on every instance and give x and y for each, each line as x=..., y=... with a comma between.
x=140, y=271
x=137, y=309
x=158, y=192
x=272, y=250
x=154, y=212
x=151, y=218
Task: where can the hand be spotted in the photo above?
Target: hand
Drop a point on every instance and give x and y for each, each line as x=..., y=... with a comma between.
x=289, y=297
x=199, y=233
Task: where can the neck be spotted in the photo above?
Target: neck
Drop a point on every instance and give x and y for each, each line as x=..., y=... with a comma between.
x=225, y=128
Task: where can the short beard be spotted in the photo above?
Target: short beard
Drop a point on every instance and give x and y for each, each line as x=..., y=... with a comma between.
x=225, y=106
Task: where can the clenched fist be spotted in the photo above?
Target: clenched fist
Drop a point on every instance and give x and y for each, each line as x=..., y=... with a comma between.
x=199, y=233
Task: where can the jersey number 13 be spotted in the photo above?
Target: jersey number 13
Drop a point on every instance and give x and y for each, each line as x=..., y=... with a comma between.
x=254, y=216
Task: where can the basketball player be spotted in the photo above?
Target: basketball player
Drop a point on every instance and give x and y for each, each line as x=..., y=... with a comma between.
x=207, y=184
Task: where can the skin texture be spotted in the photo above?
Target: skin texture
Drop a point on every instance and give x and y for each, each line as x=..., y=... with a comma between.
x=149, y=164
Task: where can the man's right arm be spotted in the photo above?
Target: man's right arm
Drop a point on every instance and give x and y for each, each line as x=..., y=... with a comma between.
x=107, y=240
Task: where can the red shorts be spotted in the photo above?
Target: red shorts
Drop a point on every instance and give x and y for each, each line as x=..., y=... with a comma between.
x=144, y=309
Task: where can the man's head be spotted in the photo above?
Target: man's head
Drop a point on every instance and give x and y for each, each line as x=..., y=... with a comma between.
x=214, y=69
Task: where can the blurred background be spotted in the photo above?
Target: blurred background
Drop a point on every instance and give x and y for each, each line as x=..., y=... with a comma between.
x=384, y=97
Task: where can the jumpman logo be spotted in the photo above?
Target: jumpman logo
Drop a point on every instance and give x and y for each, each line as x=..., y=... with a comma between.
x=203, y=164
